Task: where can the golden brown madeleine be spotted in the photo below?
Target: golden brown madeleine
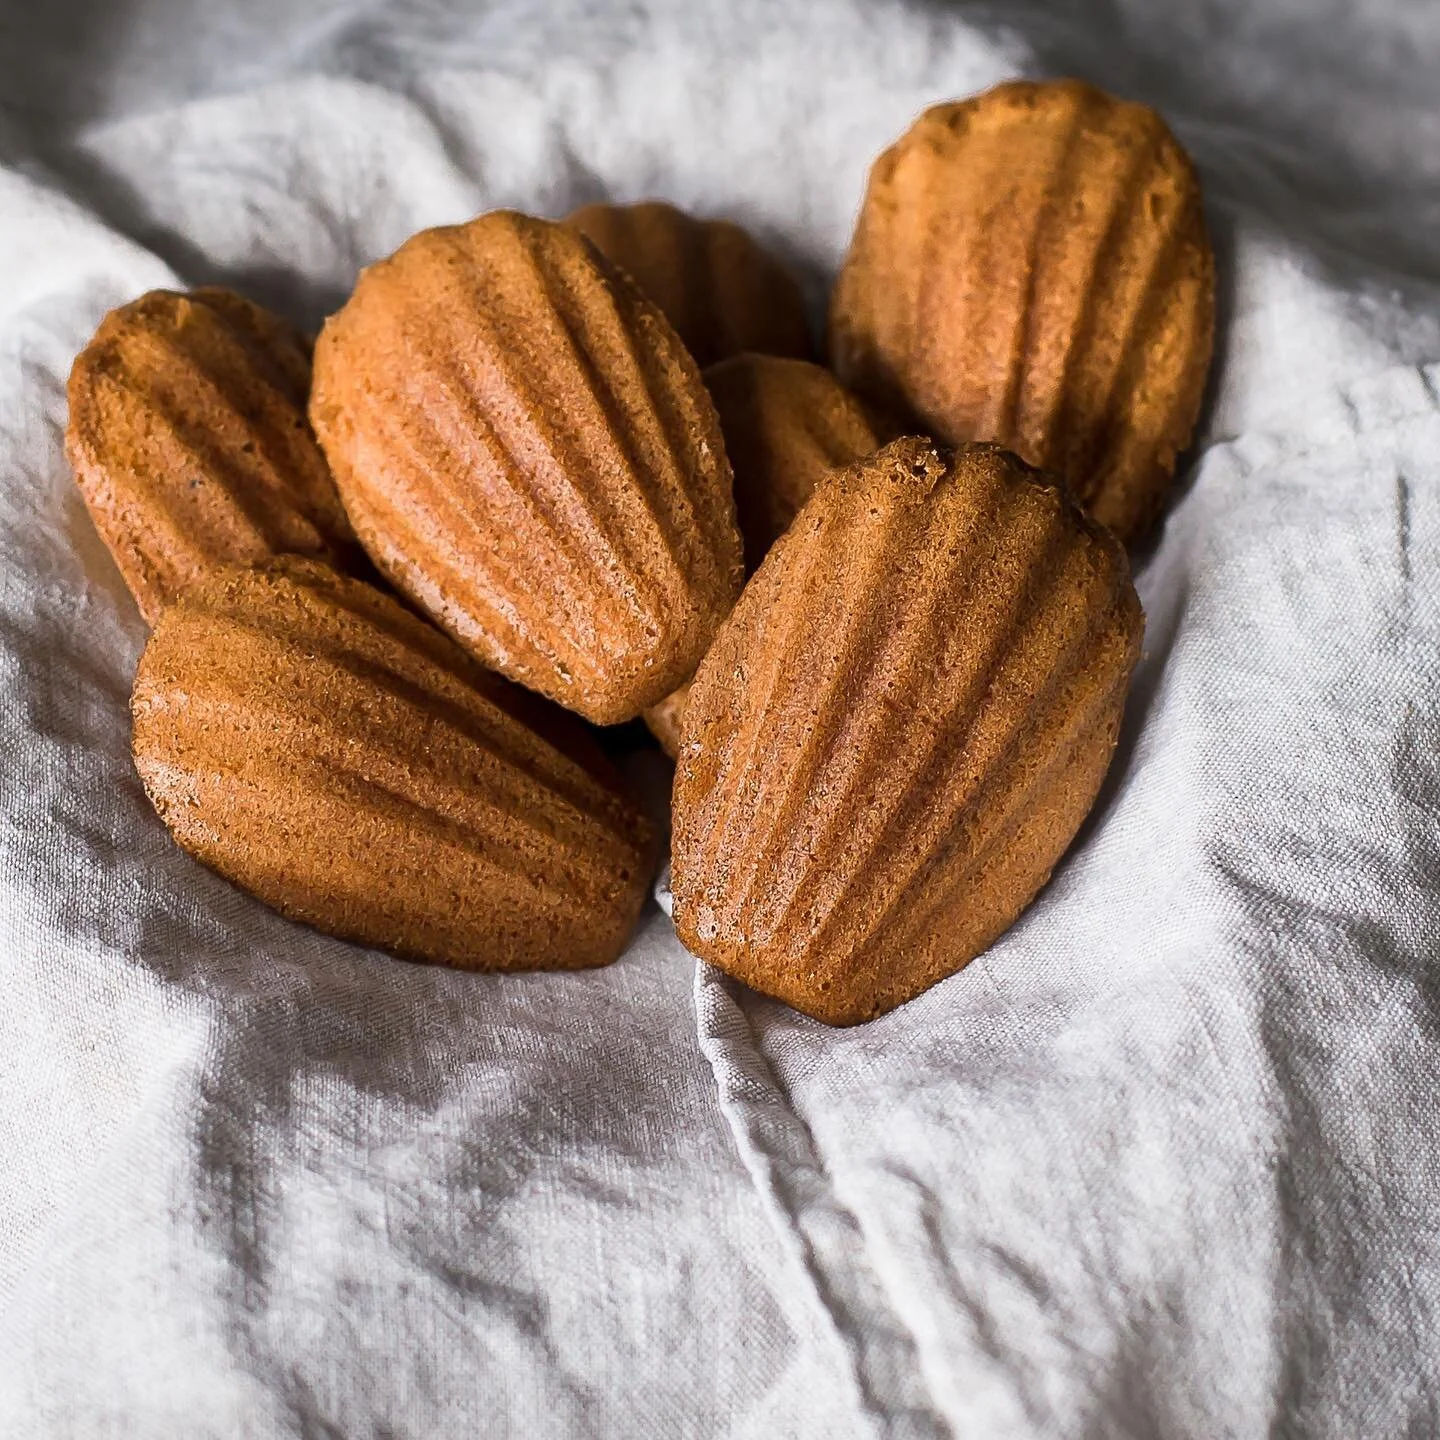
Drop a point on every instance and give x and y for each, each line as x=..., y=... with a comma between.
x=787, y=424
x=1031, y=267
x=716, y=285
x=528, y=453
x=899, y=730
x=314, y=742
x=189, y=440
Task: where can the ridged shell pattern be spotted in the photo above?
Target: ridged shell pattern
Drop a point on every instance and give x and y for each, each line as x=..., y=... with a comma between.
x=718, y=287
x=188, y=438
x=898, y=732
x=320, y=746
x=1031, y=267
x=787, y=424
x=528, y=453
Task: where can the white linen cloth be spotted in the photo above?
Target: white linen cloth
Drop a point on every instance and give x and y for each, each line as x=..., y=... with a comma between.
x=1162, y=1164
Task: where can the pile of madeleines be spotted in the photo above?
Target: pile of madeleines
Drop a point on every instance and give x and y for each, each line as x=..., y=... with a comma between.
x=520, y=485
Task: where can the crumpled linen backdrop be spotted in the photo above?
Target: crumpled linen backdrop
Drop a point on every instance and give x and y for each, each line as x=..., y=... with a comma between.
x=1161, y=1164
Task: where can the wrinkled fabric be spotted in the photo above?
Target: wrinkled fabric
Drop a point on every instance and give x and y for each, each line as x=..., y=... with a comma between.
x=1160, y=1164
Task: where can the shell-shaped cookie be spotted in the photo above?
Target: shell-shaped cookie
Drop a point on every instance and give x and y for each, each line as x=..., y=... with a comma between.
x=787, y=424
x=318, y=745
x=1031, y=267
x=721, y=291
x=529, y=454
x=897, y=733
x=188, y=438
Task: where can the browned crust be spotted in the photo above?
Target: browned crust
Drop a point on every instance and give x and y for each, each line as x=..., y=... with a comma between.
x=899, y=730
x=188, y=438
x=1031, y=267
x=529, y=455
x=314, y=742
